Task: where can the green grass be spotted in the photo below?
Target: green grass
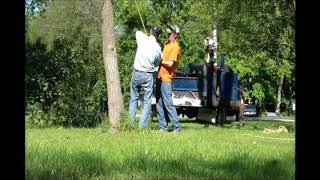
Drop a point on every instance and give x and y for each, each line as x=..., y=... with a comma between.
x=198, y=152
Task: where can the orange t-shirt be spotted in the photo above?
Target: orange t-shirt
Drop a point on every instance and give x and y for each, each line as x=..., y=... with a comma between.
x=171, y=51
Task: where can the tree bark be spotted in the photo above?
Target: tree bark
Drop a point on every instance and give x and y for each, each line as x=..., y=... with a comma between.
x=279, y=95
x=115, y=99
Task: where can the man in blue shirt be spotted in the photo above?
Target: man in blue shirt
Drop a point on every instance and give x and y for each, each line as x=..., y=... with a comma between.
x=148, y=56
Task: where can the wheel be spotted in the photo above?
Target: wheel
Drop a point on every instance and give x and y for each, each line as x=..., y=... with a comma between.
x=222, y=115
x=191, y=112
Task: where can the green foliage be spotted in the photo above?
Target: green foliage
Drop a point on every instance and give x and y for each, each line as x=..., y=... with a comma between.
x=64, y=65
x=125, y=121
x=66, y=85
x=258, y=92
x=258, y=38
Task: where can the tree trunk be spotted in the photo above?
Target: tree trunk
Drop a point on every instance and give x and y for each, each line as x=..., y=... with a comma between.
x=279, y=95
x=115, y=100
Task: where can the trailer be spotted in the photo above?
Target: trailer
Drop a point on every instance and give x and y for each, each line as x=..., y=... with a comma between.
x=205, y=91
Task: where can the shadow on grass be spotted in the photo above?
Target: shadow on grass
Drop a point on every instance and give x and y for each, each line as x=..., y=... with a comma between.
x=229, y=124
x=195, y=124
x=80, y=165
x=141, y=166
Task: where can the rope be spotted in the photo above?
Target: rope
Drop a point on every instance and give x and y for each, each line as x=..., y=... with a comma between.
x=140, y=16
x=269, y=137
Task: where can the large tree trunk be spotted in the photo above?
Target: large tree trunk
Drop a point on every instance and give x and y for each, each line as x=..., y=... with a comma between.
x=115, y=100
x=279, y=95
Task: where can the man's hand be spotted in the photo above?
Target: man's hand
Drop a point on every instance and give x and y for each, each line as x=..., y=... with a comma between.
x=168, y=63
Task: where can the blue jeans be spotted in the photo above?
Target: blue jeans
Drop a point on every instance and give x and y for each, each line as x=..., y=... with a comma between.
x=140, y=80
x=165, y=108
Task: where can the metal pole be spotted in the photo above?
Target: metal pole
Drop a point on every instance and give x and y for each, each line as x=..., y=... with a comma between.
x=215, y=42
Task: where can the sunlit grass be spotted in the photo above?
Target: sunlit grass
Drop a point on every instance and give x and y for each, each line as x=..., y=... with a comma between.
x=198, y=152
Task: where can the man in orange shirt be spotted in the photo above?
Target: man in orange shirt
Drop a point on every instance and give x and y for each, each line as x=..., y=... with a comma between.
x=167, y=68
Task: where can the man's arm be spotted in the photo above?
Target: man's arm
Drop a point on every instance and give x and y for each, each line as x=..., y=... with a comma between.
x=140, y=37
x=157, y=60
x=173, y=58
x=168, y=63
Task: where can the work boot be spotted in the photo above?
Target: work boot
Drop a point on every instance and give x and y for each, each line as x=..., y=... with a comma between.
x=176, y=131
x=163, y=130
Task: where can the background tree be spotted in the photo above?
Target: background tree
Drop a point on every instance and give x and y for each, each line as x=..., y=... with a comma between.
x=65, y=76
x=115, y=101
x=65, y=79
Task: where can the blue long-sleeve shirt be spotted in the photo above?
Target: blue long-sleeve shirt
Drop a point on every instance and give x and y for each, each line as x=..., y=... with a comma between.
x=148, y=53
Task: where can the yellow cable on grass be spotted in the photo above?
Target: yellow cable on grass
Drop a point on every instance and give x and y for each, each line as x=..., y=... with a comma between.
x=269, y=137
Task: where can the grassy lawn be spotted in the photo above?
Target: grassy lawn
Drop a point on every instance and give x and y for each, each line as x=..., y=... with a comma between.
x=198, y=152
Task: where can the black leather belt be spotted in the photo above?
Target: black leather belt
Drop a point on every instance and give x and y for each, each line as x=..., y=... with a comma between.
x=142, y=71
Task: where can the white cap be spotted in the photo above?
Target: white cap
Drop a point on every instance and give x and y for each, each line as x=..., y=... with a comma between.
x=215, y=64
x=173, y=28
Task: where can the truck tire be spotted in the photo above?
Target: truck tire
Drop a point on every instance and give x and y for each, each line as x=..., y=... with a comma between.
x=191, y=112
x=237, y=116
x=222, y=115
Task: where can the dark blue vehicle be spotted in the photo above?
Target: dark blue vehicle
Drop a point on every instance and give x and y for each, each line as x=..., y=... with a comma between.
x=206, y=91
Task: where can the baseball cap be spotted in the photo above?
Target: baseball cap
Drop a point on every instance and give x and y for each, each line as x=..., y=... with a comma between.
x=173, y=28
x=156, y=30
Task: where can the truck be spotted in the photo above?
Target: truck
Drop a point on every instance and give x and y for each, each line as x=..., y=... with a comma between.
x=205, y=91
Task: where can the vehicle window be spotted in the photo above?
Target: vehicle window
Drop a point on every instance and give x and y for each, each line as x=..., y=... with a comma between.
x=251, y=106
